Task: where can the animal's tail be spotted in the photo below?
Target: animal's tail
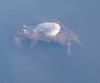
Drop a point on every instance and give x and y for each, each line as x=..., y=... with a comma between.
x=69, y=46
x=78, y=42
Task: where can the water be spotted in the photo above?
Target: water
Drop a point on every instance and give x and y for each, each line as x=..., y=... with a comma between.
x=49, y=63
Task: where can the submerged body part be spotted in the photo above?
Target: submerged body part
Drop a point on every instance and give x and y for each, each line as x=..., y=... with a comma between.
x=49, y=32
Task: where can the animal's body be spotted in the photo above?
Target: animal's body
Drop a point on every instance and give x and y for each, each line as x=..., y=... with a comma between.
x=49, y=31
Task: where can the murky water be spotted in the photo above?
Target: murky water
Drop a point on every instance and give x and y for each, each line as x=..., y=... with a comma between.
x=49, y=62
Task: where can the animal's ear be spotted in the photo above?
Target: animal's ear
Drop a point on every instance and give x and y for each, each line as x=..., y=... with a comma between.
x=69, y=48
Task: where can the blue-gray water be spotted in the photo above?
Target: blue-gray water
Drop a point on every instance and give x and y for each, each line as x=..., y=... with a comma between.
x=49, y=63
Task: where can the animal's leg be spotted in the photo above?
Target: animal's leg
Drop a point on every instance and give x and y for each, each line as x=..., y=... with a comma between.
x=69, y=48
x=17, y=41
x=33, y=44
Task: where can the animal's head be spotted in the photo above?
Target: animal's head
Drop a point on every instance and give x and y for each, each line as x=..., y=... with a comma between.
x=26, y=35
x=23, y=34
